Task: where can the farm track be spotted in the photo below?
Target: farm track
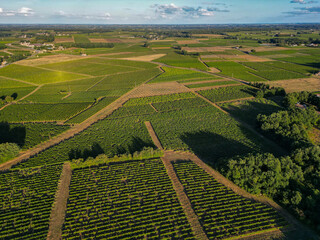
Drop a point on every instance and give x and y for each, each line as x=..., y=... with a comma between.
x=75, y=129
x=29, y=94
x=184, y=200
x=299, y=228
x=153, y=135
x=60, y=204
x=17, y=80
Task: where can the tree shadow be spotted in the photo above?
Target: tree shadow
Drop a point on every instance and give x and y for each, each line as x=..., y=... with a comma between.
x=13, y=95
x=214, y=148
x=136, y=144
x=248, y=112
x=12, y=134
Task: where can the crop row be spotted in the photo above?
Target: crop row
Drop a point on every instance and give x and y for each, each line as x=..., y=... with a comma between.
x=124, y=201
x=41, y=112
x=228, y=93
x=173, y=74
x=26, y=198
x=186, y=124
x=222, y=212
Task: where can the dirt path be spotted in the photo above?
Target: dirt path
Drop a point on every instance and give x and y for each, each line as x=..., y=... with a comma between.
x=172, y=156
x=59, y=208
x=184, y=200
x=29, y=94
x=153, y=135
x=211, y=103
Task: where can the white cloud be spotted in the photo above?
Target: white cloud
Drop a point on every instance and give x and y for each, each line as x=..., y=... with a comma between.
x=104, y=16
x=303, y=1
x=170, y=11
x=24, y=11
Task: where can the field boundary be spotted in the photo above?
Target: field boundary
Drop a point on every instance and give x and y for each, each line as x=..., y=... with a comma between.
x=59, y=207
x=153, y=135
x=103, y=113
x=184, y=200
x=174, y=155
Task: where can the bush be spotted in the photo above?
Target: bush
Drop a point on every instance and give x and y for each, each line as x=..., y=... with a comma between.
x=8, y=151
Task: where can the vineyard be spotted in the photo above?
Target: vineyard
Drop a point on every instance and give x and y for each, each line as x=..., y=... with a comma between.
x=228, y=93
x=37, y=75
x=223, y=213
x=211, y=84
x=271, y=73
x=124, y=201
x=41, y=112
x=26, y=197
x=174, y=74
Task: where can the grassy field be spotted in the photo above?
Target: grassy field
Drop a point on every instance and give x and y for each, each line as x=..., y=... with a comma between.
x=173, y=74
x=212, y=84
x=37, y=75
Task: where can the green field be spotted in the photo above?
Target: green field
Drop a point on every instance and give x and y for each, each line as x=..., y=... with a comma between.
x=37, y=75
x=41, y=112
x=228, y=93
x=126, y=195
x=210, y=84
x=173, y=74
x=236, y=70
x=223, y=213
x=26, y=201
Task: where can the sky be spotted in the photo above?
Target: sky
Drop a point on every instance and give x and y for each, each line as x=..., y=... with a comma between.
x=158, y=12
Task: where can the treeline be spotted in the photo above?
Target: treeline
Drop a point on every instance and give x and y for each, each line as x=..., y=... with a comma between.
x=294, y=181
x=289, y=41
x=45, y=38
x=267, y=91
x=15, y=57
x=88, y=45
x=308, y=98
x=290, y=128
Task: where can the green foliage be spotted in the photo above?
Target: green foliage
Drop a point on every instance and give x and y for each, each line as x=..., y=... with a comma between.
x=179, y=60
x=174, y=74
x=26, y=199
x=36, y=75
x=228, y=93
x=41, y=112
x=248, y=111
x=271, y=73
x=88, y=67
x=236, y=70
x=289, y=128
x=223, y=213
x=160, y=98
x=293, y=180
x=92, y=110
x=209, y=84
x=8, y=151
x=134, y=197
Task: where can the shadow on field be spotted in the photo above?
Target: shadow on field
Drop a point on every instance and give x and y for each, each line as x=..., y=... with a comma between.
x=13, y=95
x=135, y=144
x=12, y=134
x=213, y=147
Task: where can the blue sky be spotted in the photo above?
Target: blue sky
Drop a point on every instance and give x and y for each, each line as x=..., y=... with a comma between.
x=159, y=12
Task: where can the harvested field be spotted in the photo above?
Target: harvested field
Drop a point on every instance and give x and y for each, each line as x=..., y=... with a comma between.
x=214, y=70
x=297, y=85
x=206, y=49
x=98, y=40
x=64, y=40
x=265, y=49
x=49, y=59
x=147, y=90
x=146, y=58
x=193, y=41
x=208, y=35
x=160, y=48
